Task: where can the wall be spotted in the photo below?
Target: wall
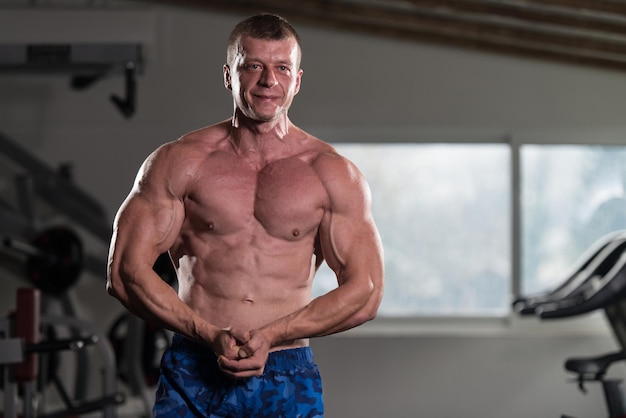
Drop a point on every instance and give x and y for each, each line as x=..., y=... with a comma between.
x=445, y=377
x=352, y=84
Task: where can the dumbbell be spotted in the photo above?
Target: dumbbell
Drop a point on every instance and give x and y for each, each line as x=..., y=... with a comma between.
x=54, y=258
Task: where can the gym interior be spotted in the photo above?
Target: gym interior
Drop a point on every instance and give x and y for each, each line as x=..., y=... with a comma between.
x=72, y=136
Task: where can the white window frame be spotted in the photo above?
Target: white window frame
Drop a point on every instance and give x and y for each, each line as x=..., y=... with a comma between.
x=510, y=324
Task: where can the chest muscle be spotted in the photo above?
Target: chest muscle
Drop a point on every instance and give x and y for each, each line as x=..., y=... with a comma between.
x=285, y=198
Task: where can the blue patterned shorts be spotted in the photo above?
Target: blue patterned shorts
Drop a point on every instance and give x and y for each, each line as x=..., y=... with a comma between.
x=191, y=385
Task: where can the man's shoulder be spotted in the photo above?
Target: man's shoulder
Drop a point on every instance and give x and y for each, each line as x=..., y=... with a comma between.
x=188, y=151
x=329, y=163
x=323, y=154
x=317, y=148
x=206, y=137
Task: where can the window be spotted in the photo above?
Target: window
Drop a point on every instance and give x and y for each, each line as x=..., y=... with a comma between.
x=571, y=196
x=443, y=211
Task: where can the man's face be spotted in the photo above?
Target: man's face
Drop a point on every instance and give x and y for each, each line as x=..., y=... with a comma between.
x=264, y=77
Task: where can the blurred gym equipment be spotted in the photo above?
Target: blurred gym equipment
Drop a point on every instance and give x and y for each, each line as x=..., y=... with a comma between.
x=22, y=350
x=85, y=63
x=598, y=281
x=51, y=257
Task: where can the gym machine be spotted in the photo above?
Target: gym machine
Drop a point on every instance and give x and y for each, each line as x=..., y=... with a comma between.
x=52, y=258
x=598, y=281
x=86, y=63
x=22, y=350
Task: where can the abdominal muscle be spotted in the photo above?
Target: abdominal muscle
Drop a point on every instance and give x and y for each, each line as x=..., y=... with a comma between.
x=244, y=295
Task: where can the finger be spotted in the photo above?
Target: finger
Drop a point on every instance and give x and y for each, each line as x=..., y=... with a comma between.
x=228, y=349
x=248, y=350
x=241, y=368
x=241, y=337
x=254, y=344
x=243, y=374
x=234, y=365
x=241, y=363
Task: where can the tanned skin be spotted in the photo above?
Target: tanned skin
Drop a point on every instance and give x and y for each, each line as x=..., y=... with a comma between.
x=248, y=209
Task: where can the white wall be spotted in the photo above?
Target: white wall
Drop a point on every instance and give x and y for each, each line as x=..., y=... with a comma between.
x=352, y=83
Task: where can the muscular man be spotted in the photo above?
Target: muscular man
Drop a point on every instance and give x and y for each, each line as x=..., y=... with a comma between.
x=248, y=209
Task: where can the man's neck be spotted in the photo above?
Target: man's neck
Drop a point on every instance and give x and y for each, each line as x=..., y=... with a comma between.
x=263, y=137
x=277, y=127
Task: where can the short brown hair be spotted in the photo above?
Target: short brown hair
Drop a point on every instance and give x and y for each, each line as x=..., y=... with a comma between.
x=261, y=26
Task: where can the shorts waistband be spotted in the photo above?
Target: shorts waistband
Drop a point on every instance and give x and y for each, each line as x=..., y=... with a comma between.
x=276, y=360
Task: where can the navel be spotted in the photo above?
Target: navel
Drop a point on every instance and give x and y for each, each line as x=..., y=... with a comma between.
x=295, y=232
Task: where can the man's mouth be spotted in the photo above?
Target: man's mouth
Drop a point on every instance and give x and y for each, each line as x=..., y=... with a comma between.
x=264, y=97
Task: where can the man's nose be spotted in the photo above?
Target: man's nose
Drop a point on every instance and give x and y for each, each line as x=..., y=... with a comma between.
x=268, y=78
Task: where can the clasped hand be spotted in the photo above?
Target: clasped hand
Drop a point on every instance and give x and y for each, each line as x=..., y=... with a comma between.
x=241, y=354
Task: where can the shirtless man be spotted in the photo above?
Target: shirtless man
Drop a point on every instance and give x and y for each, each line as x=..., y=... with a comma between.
x=248, y=209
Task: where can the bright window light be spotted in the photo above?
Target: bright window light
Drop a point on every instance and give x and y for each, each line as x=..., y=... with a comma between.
x=571, y=196
x=443, y=211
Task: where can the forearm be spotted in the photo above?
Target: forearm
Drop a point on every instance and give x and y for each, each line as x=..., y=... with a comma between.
x=363, y=315
x=146, y=295
x=341, y=309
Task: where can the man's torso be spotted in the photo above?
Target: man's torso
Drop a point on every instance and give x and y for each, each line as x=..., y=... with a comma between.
x=246, y=250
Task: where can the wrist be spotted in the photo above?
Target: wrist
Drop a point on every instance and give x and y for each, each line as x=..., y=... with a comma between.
x=207, y=334
x=272, y=334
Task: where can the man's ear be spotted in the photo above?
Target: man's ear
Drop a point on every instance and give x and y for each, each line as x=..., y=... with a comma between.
x=299, y=80
x=227, y=79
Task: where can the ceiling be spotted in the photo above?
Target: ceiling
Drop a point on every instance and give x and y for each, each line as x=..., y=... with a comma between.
x=577, y=32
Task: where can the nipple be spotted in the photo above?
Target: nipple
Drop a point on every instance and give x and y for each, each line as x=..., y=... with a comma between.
x=296, y=232
x=211, y=226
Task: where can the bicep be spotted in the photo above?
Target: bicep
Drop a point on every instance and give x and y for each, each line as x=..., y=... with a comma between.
x=349, y=238
x=150, y=218
x=146, y=227
x=352, y=248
